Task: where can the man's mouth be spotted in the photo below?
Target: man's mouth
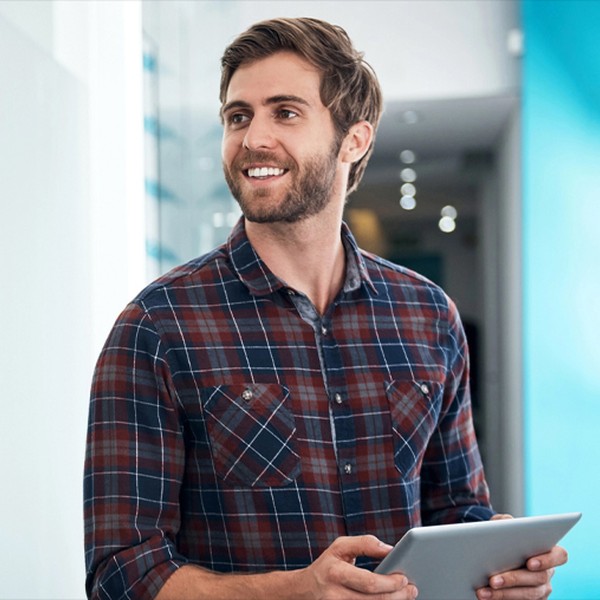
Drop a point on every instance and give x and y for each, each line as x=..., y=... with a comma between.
x=260, y=172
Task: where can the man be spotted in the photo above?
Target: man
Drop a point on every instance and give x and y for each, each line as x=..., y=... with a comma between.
x=265, y=417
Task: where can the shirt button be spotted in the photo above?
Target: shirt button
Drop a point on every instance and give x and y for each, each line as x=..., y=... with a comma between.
x=247, y=395
x=348, y=468
x=338, y=398
x=425, y=389
x=323, y=330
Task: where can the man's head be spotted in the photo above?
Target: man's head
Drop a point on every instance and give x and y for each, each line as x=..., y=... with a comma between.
x=349, y=87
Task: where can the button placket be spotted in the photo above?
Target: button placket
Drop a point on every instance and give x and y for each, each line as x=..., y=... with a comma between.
x=342, y=422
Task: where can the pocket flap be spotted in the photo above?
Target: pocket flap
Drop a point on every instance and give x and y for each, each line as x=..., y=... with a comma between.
x=252, y=434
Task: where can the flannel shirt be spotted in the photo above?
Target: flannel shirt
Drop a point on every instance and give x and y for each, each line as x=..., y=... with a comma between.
x=233, y=427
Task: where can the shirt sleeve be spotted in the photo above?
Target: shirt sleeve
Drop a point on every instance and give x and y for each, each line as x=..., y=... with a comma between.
x=134, y=464
x=453, y=485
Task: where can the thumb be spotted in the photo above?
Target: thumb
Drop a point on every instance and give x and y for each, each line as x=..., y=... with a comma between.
x=501, y=517
x=348, y=548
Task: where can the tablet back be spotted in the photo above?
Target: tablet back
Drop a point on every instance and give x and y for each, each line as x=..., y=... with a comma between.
x=449, y=562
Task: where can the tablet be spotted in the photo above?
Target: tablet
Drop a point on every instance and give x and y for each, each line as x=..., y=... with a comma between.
x=449, y=562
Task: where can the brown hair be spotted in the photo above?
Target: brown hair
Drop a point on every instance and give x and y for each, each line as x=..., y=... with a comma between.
x=349, y=86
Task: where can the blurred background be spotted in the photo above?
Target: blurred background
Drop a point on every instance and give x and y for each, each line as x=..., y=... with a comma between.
x=485, y=178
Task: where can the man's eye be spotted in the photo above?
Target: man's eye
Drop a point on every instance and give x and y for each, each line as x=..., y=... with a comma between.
x=286, y=113
x=237, y=119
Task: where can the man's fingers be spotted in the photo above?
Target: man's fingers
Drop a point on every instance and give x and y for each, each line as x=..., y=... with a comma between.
x=335, y=570
x=366, y=582
x=520, y=578
x=532, y=583
x=556, y=557
x=348, y=548
x=530, y=593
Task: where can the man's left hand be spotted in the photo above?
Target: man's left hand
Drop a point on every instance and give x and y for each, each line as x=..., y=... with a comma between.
x=532, y=582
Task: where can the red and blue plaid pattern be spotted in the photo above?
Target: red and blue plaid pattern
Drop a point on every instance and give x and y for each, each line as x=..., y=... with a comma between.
x=233, y=427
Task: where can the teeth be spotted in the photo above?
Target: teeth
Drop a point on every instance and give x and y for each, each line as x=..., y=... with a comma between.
x=264, y=172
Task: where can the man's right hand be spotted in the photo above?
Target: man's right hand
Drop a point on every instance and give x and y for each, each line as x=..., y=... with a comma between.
x=333, y=576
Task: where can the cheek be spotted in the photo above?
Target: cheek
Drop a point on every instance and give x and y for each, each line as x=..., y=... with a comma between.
x=229, y=148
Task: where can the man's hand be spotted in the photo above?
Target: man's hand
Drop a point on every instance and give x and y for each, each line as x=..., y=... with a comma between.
x=533, y=582
x=333, y=575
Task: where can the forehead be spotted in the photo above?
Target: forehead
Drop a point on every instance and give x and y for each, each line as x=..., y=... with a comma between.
x=282, y=73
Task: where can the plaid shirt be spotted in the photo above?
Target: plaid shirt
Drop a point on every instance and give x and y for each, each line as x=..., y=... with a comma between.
x=234, y=427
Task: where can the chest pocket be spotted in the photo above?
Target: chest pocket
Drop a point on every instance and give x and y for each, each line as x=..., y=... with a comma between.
x=414, y=408
x=252, y=434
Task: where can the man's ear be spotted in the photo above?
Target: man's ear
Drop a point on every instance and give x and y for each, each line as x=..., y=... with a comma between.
x=357, y=142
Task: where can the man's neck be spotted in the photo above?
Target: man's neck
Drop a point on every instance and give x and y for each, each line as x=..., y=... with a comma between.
x=308, y=255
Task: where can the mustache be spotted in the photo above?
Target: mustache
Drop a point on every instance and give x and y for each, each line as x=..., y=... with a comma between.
x=251, y=157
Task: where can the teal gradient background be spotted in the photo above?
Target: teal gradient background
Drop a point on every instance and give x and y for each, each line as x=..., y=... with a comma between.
x=561, y=277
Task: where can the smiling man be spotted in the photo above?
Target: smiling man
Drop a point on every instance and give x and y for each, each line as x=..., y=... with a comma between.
x=267, y=418
x=279, y=142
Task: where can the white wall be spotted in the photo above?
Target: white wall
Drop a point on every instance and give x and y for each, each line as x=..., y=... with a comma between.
x=511, y=483
x=44, y=317
x=500, y=264
x=69, y=207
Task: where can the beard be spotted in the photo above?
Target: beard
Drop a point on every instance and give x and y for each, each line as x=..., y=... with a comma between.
x=309, y=193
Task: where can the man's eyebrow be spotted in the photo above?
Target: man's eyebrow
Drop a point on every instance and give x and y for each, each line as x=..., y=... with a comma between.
x=234, y=104
x=279, y=99
x=282, y=98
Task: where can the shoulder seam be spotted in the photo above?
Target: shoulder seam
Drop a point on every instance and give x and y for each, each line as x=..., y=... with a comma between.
x=177, y=273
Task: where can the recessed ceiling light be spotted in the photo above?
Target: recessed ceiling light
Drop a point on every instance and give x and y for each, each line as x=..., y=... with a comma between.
x=514, y=42
x=408, y=202
x=407, y=157
x=408, y=189
x=449, y=211
x=409, y=175
x=410, y=117
x=447, y=225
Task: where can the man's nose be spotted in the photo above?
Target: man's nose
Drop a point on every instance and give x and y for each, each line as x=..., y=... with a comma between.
x=259, y=133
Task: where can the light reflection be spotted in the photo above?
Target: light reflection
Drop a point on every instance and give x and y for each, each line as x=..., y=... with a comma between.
x=407, y=157
x=218, y=219
x=409, y=175
x=408, y=202
x=447, y=225
x=408, y=189
x=410, y=117
x=449, y=211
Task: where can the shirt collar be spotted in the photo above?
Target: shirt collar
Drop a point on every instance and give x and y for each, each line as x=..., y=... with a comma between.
x=260, y=281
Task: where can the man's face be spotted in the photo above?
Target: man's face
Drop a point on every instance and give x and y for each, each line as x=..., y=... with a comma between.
x=280, y=151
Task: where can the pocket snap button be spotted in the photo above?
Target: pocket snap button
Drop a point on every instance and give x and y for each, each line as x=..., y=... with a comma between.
x=247, y=395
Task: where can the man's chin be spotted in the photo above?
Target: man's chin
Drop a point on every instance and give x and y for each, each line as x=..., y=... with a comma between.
x=273, y=218
x=271, y=210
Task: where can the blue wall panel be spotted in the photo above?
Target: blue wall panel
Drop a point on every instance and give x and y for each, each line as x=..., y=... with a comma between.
x=561, y=269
